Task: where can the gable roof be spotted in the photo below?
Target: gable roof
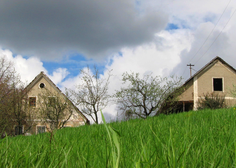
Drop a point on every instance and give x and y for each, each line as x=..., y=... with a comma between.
x=43, y=75
x=210, y=64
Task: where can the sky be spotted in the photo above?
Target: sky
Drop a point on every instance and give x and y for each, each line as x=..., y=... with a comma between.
x=62, y=37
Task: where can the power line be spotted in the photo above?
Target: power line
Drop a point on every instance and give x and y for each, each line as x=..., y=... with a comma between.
x=194, y=70
x=208, y=35
x=216, y=37
x=211, y=31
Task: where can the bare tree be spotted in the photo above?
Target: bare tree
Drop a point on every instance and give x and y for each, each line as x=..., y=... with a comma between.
x=91, y=94
x=54, y=109
x=143, y=97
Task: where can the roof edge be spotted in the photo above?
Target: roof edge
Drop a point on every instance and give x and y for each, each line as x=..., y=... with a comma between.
x=41, y=75
x=207, y=65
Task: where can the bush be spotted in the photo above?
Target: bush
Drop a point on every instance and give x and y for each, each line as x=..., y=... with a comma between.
x=211, y=101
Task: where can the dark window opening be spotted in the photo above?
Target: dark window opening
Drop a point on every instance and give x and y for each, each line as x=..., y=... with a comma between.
x=18, y=130
x=217, y=84
x=32, y=101
x=41, y=85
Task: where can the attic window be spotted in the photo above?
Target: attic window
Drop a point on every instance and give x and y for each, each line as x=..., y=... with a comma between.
x=217, y=84
x=41, y=85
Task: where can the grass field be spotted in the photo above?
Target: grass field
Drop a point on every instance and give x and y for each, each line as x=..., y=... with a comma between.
x=195, y=139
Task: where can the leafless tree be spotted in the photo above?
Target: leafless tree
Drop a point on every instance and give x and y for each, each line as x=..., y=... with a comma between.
x=91, y=94
x=54, y=109
x=143, y=97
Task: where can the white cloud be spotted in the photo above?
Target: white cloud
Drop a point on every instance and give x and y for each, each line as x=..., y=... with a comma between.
x=159, y=58
x=58, y=75
x=29, y=68
x=26, y=68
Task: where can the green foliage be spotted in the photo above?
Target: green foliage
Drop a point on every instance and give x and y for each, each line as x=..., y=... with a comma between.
x=195, y=139
x=211, y=101
x=143, y=97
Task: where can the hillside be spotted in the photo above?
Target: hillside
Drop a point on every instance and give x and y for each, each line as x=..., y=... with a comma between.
x=194, y=139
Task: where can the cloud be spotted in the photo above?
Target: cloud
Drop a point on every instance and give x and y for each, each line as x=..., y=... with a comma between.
x=29, y=68
x=159, y=57
x=94, y=28
x=189, y=14
x=205, y=46
x=26, y=68
x=58, y=75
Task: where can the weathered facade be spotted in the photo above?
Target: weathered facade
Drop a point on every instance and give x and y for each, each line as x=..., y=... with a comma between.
x=35, y=124
x=215, y=77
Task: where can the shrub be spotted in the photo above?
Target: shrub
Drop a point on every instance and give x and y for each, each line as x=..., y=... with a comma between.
x=211, y=101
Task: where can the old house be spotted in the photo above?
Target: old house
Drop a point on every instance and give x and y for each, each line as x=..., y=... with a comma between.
x=35, y=124
x=215, y=77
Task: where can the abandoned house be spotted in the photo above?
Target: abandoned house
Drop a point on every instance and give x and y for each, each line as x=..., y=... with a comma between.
x=35, y=124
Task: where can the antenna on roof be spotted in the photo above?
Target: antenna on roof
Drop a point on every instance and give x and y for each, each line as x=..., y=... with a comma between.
x=190, y=67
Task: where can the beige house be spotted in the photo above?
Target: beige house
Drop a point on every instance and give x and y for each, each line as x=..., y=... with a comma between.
x=215, y=77
x=36, y=124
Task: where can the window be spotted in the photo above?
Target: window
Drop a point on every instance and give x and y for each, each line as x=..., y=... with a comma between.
x=32, y=101
x=41, y=129
x=42, y=85
x=217, y=84
x=18, y=130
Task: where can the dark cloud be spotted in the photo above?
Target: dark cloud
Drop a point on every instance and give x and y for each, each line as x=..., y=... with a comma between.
x=95, y=28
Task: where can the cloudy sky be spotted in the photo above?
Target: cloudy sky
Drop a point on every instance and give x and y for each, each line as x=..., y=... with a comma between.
x=61, y=37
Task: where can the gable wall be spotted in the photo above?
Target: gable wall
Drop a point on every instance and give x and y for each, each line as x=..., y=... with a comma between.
x=218, y=70
x=35, y=90
x=75, y=120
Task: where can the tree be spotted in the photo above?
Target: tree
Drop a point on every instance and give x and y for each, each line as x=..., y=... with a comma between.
x=19, y=108
x=143, y=97
x=9, y=81
x=91, y=94
x=54, y=109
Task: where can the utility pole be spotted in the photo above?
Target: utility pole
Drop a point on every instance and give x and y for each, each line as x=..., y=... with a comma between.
x=190, y=67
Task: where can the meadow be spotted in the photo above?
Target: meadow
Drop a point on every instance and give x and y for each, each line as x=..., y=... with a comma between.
x=204, y=138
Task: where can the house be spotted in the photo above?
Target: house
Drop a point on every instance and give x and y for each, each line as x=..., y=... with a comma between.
x=35, y=124
x=215, y=77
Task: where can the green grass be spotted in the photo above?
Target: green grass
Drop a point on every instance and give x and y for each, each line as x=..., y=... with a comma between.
x=195, y=139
